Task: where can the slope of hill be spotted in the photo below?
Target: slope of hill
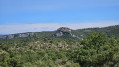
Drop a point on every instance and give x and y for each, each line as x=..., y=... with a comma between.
x=110, y=31
x=61, y=49
x=80, y=33
x=96, y=50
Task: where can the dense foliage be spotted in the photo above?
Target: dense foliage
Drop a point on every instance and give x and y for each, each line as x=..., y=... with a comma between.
x=96, y=50
x=111, y=31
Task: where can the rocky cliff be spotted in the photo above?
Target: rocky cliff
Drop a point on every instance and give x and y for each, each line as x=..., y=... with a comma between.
x=59, y=32
x=11, y=36
x=65, y=31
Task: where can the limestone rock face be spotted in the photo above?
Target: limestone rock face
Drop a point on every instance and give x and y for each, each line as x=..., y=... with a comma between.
x=25, y=35
x=3, y=37
x=11, y=36
x=63, y=31
x=60, y=32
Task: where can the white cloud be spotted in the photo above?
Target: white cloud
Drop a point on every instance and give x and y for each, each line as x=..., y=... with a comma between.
x=11, y=29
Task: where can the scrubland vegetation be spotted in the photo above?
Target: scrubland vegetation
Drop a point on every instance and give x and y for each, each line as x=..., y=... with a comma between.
x=96, y=50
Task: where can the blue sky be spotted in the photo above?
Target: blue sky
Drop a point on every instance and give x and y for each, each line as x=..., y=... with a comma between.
x=46, y=14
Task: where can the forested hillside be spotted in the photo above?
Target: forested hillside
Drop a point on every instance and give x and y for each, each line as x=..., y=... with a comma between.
x=110, y=31
x=99, y=48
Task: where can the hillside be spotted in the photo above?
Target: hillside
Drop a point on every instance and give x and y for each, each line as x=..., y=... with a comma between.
x=111, y=31
x=62, y=48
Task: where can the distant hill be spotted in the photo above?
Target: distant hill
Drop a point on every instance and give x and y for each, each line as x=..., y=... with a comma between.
x=110, y=31
x=79, y=33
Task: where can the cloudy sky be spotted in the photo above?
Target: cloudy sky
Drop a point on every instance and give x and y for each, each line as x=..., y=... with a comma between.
x=17, y=16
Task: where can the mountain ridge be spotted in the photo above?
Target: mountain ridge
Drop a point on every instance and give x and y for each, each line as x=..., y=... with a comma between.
x=79, y=33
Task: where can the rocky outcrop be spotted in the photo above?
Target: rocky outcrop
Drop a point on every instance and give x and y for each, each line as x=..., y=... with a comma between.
x=3, y=37
x=11, y=36
x=60, y=32
x=65, y=31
